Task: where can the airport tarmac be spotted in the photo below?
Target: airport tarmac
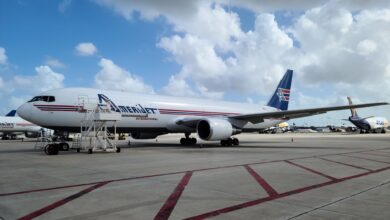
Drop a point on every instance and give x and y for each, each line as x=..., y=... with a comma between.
x=269, y=176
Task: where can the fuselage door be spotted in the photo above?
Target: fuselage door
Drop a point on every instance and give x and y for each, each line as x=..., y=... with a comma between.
x=85, y=103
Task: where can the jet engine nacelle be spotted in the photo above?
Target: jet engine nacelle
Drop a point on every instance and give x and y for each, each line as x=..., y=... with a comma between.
x=30, y=134
x=214, y=129
x=144, y=135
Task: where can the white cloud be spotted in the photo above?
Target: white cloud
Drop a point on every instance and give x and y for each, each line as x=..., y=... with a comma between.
x=256, y=60
x=86, y=49
x=338, y=46
x=199, y=18
x=151, y=9
x=349, y=51
x=211, y=23
x=111, y=76
x=177, y=86
x=48, y=79
x=3, y=56
x=53, y=62
x=215, y=54
x=302, y=5
x=365, y=47
x=45, y=79
x=20, y=88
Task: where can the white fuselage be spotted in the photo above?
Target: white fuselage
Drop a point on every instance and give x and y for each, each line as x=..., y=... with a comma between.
x=16, y=125
x=377, y=122
x=146, y=113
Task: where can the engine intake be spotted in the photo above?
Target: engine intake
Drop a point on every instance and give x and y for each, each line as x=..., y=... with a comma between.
x=214, y=129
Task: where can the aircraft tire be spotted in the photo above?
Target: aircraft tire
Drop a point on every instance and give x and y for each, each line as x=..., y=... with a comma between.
x=228, y=142
x=89, y=151
x=118, y=149
x=64, y=146
x=45, y=149
x=236, y=141
x=52, y=149
x=183, y=141
x=383, y=131
x=56, y=149
x=193, y=141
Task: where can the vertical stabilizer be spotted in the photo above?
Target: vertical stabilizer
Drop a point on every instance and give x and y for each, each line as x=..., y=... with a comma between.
x=12, y=113
x=281, y=96
x=353, y=110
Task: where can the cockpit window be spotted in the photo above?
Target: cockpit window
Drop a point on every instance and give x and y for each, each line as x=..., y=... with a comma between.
x=43, y=99
x=51, y=99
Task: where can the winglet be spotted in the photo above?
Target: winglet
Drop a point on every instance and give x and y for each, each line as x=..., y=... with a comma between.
x=281, y=96
x=12, y=113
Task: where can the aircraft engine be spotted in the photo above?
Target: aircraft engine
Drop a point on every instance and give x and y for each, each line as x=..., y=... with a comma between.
x=213, y=129
x=144, y=135
x=30, y=134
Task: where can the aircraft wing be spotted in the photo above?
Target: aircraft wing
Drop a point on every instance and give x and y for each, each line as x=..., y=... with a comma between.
x=299, y=113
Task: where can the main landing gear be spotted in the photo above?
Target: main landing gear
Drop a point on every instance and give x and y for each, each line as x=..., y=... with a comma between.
x=187, y=140
x=230, y=142
x=53, y=148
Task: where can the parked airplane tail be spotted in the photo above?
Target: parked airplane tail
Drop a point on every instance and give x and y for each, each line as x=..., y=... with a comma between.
x=353, y=110
x=281, y=96
x=12, y=113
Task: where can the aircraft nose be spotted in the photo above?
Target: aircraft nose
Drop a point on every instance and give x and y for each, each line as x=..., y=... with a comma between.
x=24, y=111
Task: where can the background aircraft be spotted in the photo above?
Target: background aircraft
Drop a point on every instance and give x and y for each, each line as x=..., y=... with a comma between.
x=11, y=126
x=370, y=124
x=148, y=116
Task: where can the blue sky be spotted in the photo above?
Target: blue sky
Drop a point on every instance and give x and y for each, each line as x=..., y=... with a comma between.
x=36, y=30
x=214, y=49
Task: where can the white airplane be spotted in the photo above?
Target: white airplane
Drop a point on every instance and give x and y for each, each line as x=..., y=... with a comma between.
x=148, y=116
x=11, y=126
x=370, y=124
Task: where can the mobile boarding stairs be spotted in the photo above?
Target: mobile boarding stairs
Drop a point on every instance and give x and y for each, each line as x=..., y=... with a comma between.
x=97, y=132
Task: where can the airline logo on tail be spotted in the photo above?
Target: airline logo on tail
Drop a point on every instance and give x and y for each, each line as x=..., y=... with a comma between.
x=283, y=94
x=281, y=97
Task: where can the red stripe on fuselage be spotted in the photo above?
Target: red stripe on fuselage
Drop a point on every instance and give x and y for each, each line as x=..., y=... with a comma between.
x=69, y=108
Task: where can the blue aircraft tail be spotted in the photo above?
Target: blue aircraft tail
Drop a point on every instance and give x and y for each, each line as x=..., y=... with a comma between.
x=12, y=113
x=281, y=96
